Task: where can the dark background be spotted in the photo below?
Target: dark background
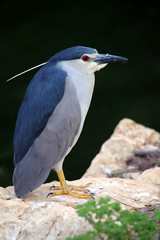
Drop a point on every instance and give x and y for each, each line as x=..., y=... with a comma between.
x=33, y=31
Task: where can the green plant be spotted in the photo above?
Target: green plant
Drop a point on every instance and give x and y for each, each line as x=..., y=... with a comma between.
x=110, y=222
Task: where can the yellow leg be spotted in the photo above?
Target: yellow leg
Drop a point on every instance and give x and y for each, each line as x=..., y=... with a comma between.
x=70, y=190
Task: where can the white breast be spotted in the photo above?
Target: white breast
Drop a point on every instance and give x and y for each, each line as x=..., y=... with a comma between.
x=84, y=85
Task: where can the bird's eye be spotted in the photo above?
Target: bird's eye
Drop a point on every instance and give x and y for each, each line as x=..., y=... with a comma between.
x=85, y=58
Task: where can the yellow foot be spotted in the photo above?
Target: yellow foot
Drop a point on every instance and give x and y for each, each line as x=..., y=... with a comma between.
x=72, y=187
x=73, y=194
x=75, y=191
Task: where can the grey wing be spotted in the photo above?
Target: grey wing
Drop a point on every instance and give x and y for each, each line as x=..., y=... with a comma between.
x=51, y=146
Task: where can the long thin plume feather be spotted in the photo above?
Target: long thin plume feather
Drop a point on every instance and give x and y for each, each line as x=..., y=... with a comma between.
x=26, y=71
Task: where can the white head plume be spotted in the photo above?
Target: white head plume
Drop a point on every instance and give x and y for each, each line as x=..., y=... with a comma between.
x=30, y=69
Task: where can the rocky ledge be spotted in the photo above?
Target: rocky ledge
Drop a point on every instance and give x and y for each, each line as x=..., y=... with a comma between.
x=126, y=169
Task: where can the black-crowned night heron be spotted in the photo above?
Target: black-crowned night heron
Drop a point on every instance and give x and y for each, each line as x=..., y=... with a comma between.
x=51, y=117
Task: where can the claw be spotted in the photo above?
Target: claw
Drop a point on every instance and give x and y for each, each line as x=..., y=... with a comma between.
x=52, y=187
x=92, y=195
x=49, y=194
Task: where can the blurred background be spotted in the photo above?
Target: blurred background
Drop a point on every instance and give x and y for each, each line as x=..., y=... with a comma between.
x=33, y=31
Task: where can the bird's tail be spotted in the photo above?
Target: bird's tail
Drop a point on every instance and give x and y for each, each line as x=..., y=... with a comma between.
x=28, y=176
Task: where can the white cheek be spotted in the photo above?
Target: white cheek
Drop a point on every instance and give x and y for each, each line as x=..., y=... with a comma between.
x=101, y=66
x=93, y=67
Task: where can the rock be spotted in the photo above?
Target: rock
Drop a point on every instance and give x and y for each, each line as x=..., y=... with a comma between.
x=38, y=217
x=127, y=136
x=41, y=217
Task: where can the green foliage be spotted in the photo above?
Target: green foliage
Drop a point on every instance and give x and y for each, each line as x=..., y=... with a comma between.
x=157, y=215
x=110, y=222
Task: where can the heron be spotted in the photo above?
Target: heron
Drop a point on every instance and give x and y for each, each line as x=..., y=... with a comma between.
x=51, y=118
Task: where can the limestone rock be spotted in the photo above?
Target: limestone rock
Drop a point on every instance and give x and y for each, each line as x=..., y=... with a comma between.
x=127, y=136
x=41, y=217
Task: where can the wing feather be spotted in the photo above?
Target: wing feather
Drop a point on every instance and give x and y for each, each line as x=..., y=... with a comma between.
x=40, y=100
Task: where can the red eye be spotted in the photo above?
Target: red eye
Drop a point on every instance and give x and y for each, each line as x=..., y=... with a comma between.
x=85, y=58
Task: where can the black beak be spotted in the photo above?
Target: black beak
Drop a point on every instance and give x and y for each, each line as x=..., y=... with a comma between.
x=106, y=58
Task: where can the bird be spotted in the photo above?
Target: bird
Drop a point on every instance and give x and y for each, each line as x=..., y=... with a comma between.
x=51, y=116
